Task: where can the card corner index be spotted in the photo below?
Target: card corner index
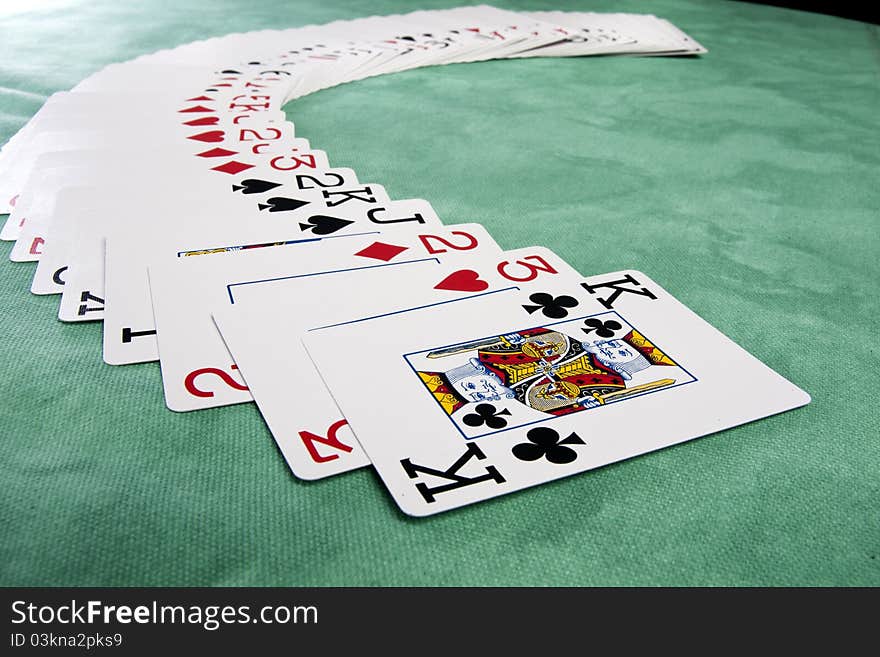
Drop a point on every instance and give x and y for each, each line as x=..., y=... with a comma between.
x=608, y=288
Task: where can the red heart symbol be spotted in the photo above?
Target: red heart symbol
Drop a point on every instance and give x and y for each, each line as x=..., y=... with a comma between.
x=205, y=120
x=211, y=136
x=463, y=280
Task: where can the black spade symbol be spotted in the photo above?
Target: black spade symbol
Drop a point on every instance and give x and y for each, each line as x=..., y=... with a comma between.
x=323, y=225
x=254, y=186
x=281, y=204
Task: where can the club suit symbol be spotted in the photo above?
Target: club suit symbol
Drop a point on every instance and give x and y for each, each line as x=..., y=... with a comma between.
x=486, y=414
x=604, y=329
x=550, y=306
x=544, y=443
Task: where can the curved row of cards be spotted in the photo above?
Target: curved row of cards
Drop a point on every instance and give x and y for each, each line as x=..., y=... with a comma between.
x=170, y=198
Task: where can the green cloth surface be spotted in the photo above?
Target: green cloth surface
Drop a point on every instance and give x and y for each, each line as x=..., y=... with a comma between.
x=744, y=181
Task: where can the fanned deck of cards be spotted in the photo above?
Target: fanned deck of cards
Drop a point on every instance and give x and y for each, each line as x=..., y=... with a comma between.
x=253, y=267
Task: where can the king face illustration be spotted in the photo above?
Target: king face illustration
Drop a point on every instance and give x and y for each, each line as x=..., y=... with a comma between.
x=546, y=370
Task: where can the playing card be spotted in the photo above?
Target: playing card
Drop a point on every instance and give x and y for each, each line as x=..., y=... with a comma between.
x=184, y=125
x=488, y=396
x=260, y=212
x=129, y=309
x=263, y=334
x=80, y=219
x=184, y=291
x=176, y=177
x=68, y=213
x=33, y=208
x=184, y=196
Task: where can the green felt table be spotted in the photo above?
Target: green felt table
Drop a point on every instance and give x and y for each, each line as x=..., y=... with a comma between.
x=744, y=181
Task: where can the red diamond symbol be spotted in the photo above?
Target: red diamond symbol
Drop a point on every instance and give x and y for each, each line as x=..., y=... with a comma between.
x=203, y=120
x=195, y=108
x=233, y=167
x=216, y=152
x=198, y=98
x=382, y=251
